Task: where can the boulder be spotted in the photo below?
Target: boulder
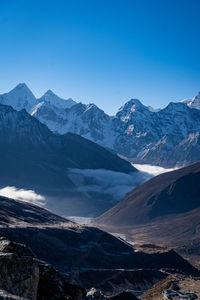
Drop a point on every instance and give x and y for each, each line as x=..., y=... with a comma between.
x=24, y=277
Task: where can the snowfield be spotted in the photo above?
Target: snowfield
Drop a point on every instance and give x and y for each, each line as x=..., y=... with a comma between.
x=153, y=170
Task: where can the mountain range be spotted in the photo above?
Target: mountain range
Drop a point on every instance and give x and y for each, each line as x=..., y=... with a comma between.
x=34, y=158
x=65, y=153
x=166, y=137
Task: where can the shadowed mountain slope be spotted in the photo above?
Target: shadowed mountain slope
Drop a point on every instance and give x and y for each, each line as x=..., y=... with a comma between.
x=171, y=193
x=34, y=158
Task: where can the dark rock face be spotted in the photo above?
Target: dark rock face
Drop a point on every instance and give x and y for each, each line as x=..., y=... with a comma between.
x=7, y=246
x=54, y=285
x=22, y=276
x=19, y=273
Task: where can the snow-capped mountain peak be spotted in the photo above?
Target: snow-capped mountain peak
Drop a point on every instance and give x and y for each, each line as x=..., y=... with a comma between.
x=92, y=107
x=19, y=98
x=51, y=98
x=187, y=101
x=131, y=105
x=195, y=103
x=132, y=108
x=21, y=86
x=50, y=92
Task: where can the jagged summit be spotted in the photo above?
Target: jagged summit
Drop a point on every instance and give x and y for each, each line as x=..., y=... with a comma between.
x=198, y=95
x=133, y=108
x=176, y=106
x=195, y=103
x=93, y=107
x=132, y=105
x=52, y=99
x=19, y=97
x=49, y=92
x=21, y=86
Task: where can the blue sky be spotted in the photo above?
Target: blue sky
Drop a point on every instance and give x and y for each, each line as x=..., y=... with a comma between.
x=102, y=51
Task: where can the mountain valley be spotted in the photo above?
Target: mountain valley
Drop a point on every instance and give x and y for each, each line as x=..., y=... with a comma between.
x=75, y=160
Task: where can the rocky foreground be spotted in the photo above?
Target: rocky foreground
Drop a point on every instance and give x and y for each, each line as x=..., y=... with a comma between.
x=44, y=256
x=24, y=276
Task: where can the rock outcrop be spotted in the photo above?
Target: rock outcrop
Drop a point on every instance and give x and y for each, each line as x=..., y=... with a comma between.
x=23, y=276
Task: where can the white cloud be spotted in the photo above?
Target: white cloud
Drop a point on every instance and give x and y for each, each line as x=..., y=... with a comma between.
x=115, y=184
x=112, y=183
x=23, y=195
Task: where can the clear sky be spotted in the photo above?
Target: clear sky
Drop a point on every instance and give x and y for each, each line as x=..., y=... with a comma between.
x=102, y=51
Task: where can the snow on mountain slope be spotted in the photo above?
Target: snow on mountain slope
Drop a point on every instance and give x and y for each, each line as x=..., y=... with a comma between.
x=167, y=137
x=90, y=122
x=152, y=170
x=195, y=103
x=50, y=110
x=52, y=99
x=19, y=98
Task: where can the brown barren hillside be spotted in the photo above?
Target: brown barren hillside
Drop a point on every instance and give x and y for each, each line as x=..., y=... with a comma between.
x=176, y=192
x=165, y=210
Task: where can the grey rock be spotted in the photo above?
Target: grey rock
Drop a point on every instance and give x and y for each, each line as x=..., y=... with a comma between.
x=7, y=296
x=19, y=275
x=27, y=278
x=95, y=294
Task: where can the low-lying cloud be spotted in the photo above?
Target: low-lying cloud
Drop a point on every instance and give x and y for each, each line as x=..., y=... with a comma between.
x=95, y=190
x=23, y=195
x=115, y=184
